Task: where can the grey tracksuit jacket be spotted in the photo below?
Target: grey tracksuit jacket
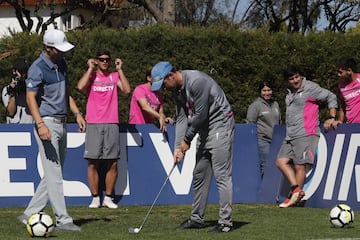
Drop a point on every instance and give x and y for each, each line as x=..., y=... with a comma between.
x=302, y=109
x=265, y=114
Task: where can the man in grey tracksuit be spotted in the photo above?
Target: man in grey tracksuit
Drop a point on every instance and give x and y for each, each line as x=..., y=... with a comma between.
x=202, y=108
x=297, y=153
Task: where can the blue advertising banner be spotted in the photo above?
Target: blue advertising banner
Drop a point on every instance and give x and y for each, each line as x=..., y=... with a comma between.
x=146, y=160
x=334, y=178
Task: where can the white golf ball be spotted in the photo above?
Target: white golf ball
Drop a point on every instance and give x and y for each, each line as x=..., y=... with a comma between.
x=136, y=230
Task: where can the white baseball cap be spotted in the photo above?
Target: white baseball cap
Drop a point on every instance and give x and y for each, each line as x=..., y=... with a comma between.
x=57, y=39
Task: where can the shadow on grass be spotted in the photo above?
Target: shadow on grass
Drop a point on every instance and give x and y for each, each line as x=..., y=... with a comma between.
x=236, y=224
x=83, y=221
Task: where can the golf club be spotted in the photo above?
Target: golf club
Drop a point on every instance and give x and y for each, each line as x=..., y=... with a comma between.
x=137, y=230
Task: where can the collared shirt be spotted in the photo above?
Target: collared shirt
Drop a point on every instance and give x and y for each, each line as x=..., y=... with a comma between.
x=49, y=80
x=350, y=93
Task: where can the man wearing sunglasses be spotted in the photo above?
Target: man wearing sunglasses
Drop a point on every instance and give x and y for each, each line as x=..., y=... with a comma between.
x=102, y=134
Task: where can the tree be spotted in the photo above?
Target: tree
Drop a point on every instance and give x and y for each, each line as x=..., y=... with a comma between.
x=294, y=16
x=181, y=12
x=341, y=13
x=300, y=15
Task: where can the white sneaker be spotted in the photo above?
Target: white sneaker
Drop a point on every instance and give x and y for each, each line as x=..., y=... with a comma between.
x=109, y=203
x=95, y=203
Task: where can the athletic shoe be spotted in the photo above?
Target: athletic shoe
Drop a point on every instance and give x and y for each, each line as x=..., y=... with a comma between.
x=95, y=203
x=190, y=224
x=23, y=218
x=296, y=195
x=220, y=228
x=285, y=204
x=108, y=202
x=68, y=227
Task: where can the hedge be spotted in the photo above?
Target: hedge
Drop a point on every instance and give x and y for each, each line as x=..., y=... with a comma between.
x=236, y=60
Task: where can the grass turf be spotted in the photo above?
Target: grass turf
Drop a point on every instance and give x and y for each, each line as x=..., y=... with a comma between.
x=251, y=221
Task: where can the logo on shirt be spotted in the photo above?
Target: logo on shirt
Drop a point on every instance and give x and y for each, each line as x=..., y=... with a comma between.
x=352, y=94
x=103, y=88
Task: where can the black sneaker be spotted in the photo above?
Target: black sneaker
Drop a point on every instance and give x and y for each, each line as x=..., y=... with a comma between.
x=222, y=228
x=189, y=224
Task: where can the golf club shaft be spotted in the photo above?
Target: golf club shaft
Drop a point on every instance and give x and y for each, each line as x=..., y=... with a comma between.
x=157, y=196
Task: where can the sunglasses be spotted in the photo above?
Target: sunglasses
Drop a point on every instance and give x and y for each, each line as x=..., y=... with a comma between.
x=104, y=59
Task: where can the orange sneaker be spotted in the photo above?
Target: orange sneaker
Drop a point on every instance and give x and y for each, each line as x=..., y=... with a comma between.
x=285, y=204
x=296, y=196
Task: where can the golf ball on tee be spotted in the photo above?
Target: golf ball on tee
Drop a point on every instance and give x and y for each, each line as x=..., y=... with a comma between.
x=136, y=230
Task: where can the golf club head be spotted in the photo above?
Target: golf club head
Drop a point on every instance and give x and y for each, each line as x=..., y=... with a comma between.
x=134, y=230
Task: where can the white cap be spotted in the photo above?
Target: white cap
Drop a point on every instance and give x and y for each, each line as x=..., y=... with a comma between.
x=57, y=39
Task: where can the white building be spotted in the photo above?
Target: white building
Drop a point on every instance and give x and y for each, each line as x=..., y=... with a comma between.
x=8, y=20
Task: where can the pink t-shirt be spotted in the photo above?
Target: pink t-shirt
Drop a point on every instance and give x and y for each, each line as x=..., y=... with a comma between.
x=154, y=99
x=102, y=104
x=351, y=95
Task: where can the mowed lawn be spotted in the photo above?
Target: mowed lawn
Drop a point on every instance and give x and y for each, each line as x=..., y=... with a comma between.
x=251, y=221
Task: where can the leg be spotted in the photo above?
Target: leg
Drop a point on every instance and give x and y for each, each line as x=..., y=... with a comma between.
x=111, y=154
x=51, y=185
x=93, y=176
x=55, y=179
x=292, y=176
x=111, y=176
x=202, y=176
x=110, y=180
x=222, y=155
x=300, y=174
x=264, y=148
x=40, y=199
x=287, y=170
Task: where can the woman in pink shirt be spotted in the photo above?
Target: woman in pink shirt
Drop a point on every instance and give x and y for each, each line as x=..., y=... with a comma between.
x=147, y=105
x=102, y=133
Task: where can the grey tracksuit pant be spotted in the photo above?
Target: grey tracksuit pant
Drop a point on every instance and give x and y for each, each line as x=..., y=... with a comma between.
x=50, y=188
x=214, y=160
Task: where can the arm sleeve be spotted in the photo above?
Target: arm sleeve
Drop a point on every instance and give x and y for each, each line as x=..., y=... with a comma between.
x=34, y=79
x=181, y=125
x=324, y=95
x=200, y=92
x=252, y=113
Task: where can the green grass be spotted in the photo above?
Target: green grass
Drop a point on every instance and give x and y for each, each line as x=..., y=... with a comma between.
x=251, y=221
